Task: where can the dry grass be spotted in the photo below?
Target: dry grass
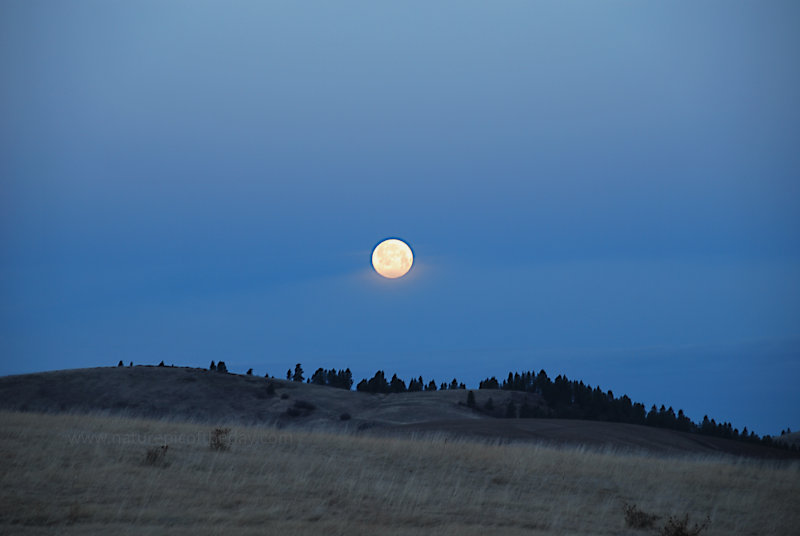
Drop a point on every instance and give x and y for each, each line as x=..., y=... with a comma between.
x=84, y=475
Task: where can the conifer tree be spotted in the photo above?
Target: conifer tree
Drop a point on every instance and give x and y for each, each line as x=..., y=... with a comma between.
x=346, y=381
x=298, y=373
x=378, y=383
x=397, y=385
x=319, y=377
x=489, y=383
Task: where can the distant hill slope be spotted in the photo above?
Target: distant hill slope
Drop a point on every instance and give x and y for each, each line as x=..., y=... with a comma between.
x=200, y=395
x=190, y=394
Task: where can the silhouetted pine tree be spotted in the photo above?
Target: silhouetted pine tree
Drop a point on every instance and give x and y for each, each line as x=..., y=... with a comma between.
x=319, y=377
x=298, y=373
x=684, y=424
x=345, y=379
x=414, y=386
x=249, y=372
x=489, y=383
x=652, y=416
x=376, y=384
x=397, y=385
x=221, y=367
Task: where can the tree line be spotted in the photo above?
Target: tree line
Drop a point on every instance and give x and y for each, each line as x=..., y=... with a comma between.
x=571, y=399
x=343, y=379
x=562, y=398
x=378, y=384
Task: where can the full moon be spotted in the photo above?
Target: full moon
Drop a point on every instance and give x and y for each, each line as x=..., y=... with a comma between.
x=392, y=258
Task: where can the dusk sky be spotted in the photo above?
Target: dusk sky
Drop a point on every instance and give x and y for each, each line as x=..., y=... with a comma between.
x=606, y=190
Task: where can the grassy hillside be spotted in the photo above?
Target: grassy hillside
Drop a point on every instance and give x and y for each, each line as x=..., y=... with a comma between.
x=184, y=393
x=73, y=474
x=197, y=395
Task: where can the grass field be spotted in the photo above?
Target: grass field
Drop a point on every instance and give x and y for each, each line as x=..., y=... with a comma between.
x=72, y=474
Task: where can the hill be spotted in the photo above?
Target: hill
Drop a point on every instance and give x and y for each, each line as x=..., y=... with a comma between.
x=202, y=396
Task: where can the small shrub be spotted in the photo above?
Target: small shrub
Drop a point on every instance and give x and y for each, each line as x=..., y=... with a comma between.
x=156, y=455
x=637, y=518
x=301, y=408
x=471, y=399
x=344, y=417
x=302, y=404
x=679, y=526
x=270, y=389
x=249, y=372
x=219, y=439
x=284, y=396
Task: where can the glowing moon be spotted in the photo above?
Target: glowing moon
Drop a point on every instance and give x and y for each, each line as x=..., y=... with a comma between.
x=392, y=258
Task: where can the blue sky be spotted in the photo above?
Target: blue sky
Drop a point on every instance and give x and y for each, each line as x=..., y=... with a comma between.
x=609, y=190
